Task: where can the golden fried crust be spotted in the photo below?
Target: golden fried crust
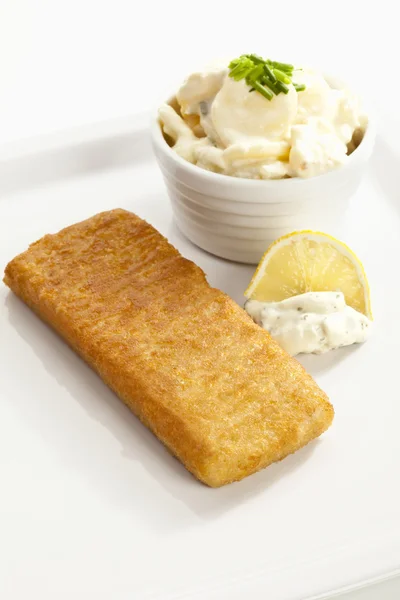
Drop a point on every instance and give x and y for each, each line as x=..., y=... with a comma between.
x=213, y=386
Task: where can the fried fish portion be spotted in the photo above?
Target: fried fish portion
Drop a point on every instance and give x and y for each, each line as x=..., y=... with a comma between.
x=212, y=385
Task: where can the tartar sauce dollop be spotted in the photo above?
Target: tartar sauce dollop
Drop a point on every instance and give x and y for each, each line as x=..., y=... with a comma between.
x=314, y=322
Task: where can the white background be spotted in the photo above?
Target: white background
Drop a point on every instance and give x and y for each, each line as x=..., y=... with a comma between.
x=65, y=63
x=68, y=62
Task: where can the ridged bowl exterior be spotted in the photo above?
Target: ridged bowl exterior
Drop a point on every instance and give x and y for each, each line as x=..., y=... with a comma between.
x=238, y=218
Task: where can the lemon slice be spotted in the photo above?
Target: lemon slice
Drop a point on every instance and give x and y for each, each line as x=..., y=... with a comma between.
x=310, y=261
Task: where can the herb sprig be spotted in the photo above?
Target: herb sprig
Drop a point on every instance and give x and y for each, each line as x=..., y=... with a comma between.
x=268, y=77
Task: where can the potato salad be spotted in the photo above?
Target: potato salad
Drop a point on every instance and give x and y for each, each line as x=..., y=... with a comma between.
x=261, y=119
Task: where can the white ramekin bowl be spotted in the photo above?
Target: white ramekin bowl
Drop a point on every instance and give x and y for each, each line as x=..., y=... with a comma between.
x=238, y=218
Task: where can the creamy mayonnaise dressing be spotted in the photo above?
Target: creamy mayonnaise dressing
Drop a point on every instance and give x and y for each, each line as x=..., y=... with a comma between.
x=314, y=322
x=298, y=134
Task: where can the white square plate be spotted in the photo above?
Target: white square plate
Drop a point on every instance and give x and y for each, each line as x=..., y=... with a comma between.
x=92, y=505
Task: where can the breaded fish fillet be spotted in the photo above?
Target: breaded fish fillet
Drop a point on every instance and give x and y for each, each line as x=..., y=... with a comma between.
x=212, y=385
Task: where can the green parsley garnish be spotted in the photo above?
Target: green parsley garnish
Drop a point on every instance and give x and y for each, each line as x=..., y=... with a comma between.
x=265, y=76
